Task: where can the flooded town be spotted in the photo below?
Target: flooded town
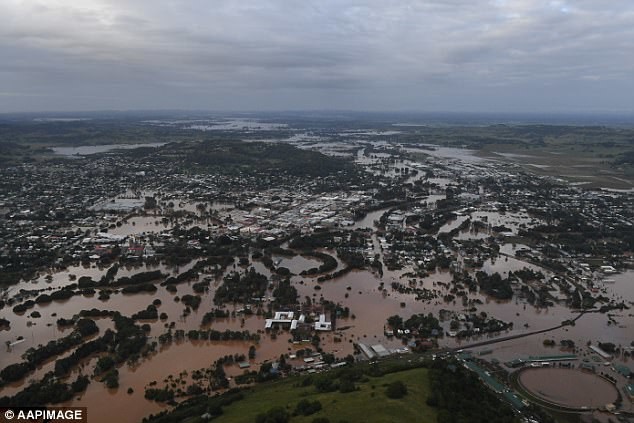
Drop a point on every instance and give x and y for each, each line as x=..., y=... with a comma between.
x=232, y=251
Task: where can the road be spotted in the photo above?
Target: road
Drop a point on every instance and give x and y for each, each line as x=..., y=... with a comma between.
x=511, y=337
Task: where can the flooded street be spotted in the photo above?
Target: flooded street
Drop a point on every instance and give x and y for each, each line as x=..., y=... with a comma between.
x=369, y=297
x=421, y=285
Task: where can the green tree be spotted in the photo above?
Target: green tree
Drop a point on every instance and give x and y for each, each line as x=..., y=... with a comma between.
x=273, y=415
x=396, y=390
x=395, y=321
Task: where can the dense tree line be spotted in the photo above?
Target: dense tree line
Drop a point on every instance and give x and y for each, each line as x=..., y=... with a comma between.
x=159, y=394
x=140, y=278
x=494, y=285
x=21, y=308
x=285, y=293
x=460, y=397
x=259, y=158
x=353, y=257
x=34, y=357
x=198, y=406
x=200, y=287
x=125, y=342
x=191, y=301
x=216, y=313
x=329, y=239
x=150, y=313
x=64, y=365
x=135, y=289
x=49, y=390
x=422, y=324
x=241, y=288
x=183, y=277
x=328, y=264
x=207, y=335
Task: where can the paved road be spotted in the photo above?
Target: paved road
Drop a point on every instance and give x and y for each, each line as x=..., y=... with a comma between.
x=511, y=337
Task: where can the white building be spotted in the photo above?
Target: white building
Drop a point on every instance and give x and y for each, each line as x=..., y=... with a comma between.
x=284, y=318
x=322, y=324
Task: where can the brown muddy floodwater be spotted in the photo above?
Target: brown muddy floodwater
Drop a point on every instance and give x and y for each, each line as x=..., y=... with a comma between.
x=105, y=405
x=370, y=304
x=568, y=387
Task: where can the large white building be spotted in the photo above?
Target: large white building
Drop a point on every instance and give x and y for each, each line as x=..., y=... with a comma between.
x=284, y=318
x=322, y=324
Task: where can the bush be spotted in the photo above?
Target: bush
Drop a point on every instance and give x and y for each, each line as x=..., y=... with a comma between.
x=325, y=385
x=347, y=386
x=104, y=364
x=194, y=389
x=396, y=390
x=306, y=408
x=274, y=415
x=87, y=327
x=62, y=294
x=43, y=299
x=80, y=384
x=14, y=372
x=111, y=379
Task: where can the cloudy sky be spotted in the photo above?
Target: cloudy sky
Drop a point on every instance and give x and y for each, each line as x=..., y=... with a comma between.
x=427, y=55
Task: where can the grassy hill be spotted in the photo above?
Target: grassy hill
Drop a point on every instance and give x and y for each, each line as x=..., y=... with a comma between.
x=436, y=392
x=263, y=158
x=368, y=403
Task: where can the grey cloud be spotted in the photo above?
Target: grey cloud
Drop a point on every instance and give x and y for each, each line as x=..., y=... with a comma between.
x=377, y=53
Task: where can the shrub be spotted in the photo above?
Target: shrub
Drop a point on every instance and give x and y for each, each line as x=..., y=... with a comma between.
x=396, y=390
x=306, y=408
x=274, y=415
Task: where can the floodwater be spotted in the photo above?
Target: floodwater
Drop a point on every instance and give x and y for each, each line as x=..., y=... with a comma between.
x=369, y=297
x=171, y=360
x=453, y=224
x=141, y=225
x=297, y=264
x=41, y=330
x=372, y=303
x=503, y=265
x=630, y=190
x=361, y=291
x=463, y=154
x=238, y=124
x=510, y=220
x=568, y=387
x=368, y=221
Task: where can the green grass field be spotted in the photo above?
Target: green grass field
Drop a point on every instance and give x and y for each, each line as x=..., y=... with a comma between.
x=592, y=166
x=368, y=404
